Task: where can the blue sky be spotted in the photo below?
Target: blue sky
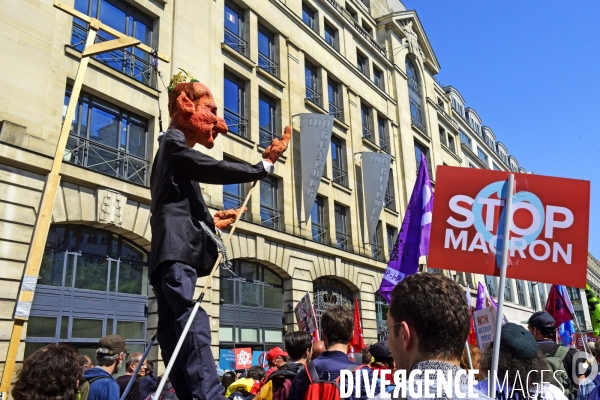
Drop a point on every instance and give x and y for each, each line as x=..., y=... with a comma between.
x=531, y=70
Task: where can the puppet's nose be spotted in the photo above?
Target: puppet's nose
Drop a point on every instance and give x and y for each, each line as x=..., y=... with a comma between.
x=221, y=126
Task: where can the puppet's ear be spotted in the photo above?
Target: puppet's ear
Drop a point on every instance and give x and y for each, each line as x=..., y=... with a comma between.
x=184, y=103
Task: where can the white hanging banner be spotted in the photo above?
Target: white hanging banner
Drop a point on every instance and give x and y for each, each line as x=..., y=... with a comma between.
x=315, y=140
x=376, y=171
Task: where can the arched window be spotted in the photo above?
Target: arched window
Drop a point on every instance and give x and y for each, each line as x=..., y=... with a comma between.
x=92, y=283
x=329, y=292
x=414, y=95
x=251, y=311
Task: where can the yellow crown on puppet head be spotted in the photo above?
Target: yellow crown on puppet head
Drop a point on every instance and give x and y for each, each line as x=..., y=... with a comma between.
x=180, y=78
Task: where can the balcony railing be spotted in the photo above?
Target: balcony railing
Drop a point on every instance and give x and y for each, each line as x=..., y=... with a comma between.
x=235, y=42
x=377, y=252
x=384, y=144
x=121, y=60
x=265, y=137
x=267, y=64
x=319, y=233
x=236, y=123
x=233, y=202
x=270, y=217
x=343, y=241
x=389, y=201
x=418, y=124
x=368, y=134
x=336, y=111
x=313, y=95
x=106, y=160
x=414, y=85
x=428, y=168
x=340, y=176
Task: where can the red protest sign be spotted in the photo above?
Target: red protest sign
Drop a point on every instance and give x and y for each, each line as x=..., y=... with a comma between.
x=549, y=235
x=580, y=339
x=243, y=358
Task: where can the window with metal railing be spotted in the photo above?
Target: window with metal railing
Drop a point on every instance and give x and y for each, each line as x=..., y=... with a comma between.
x=233, y=110
x=490, y=283
x=362, y=63
x=383, y=135
x=334, y=100
x=378, y=78
x=365, y=116
x=234, y=29
x=376, y=247
x=520, y=292
x=581, y=320
x=414, y=96
x=392, y=234
x=389, y=200
x=266, y=119
x=266, y=51
x=338, y=164
x=508, y=296
x=482, y=156
x=108, y=139
x=317, y=217
x=465, y=139
x=270, y=214
x=126, y=19
x=421, y=149
x=312, y=84
x=342, y=237
x=532, y=299
x=233, y=197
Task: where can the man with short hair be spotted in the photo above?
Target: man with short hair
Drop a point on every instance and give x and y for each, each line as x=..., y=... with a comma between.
x=299, y=347
x=337, y=324
x=543, y=328
x=85, y=362
x=130, y=365
x=276, y=358
x=428, y=323
x=111, y=352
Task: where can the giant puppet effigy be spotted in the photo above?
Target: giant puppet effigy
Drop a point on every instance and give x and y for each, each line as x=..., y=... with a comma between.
x=183, y=231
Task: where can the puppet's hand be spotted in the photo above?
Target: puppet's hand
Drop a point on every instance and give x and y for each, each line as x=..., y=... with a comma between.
x=225, y=218
x=274, y=151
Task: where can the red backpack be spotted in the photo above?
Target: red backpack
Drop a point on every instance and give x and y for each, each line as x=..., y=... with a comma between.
x=322, y=390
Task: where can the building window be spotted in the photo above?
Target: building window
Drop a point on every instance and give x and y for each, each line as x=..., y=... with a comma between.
x=520, y=292
x=233, y=109
x=270, y=214
x=458, y=107
x=508, y=290
x=581, y=320
x=469, y=280
x=443, y=136
x=420, y=149
x=392, y=234
x=489, y=141
x=496, y=168
x=309, y=17
x=266, y=120
x=126, y=19
x=266, y=51
x=233, y=196
x=89, y=265
x=365, y=118
x=490, y=283
x=451, y=144
x=234, y=29
x=376, y=249
x=335, y=104
x=342, y=237
x=331, y=36
x=108, y=139
x=384, y=142
x=414, y=96
x=351, y=12
x=340, y=174
x=312, y=83
x=257, y=292
x=482, y=156
x=532, y=299
x=378, y=78
x=367, y=28
x=465, y=139
x=317, y=217
x=389, y=201
x=381, y=313
x=362, y=63
x=574, y=294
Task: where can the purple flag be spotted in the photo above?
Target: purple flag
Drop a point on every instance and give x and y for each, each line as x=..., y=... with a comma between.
x=480, y=305
x=413, y=240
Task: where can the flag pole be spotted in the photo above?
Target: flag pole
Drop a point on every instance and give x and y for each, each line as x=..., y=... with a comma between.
x=503, y=266
x=585, y=343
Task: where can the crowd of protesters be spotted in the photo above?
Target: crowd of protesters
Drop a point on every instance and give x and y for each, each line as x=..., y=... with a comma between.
x=421, y=337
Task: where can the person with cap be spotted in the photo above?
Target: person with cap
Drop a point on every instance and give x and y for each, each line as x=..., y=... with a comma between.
x=383, y=359
x=543, y=328
x=111, y=352
x=276, y=358
x=520, y=367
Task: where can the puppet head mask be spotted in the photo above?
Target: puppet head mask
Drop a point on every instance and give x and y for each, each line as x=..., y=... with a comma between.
x=194, y=112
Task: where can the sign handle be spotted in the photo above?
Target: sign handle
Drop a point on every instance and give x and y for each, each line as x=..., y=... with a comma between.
x=503, y=266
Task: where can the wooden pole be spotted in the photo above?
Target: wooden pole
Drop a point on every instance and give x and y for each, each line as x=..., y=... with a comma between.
x=44, y=215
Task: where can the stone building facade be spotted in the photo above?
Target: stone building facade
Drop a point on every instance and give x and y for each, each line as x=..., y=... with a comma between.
x=369, y=64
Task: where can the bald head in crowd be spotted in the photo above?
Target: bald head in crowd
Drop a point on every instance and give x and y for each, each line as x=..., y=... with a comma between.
x=318, y=348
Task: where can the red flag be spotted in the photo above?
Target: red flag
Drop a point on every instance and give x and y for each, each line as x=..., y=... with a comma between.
x=315, y=335
x=557, y=307
x=358, y=341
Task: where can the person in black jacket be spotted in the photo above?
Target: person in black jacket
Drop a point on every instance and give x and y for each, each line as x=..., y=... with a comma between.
x=181, y=249
x=299, y=347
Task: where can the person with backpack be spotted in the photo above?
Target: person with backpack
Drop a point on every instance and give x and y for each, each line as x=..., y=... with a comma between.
x=111, y=352
x=522, y=369
x=277, y=386
x=319, y=379
x=543, y=328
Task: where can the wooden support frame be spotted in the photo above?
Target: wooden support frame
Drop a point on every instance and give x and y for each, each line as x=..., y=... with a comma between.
x=44, y=215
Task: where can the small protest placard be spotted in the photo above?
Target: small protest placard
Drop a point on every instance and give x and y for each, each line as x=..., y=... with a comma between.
x=226, y=359
x=485, y=325
x=305, y=315
x=260, y=358
x=243, y=358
